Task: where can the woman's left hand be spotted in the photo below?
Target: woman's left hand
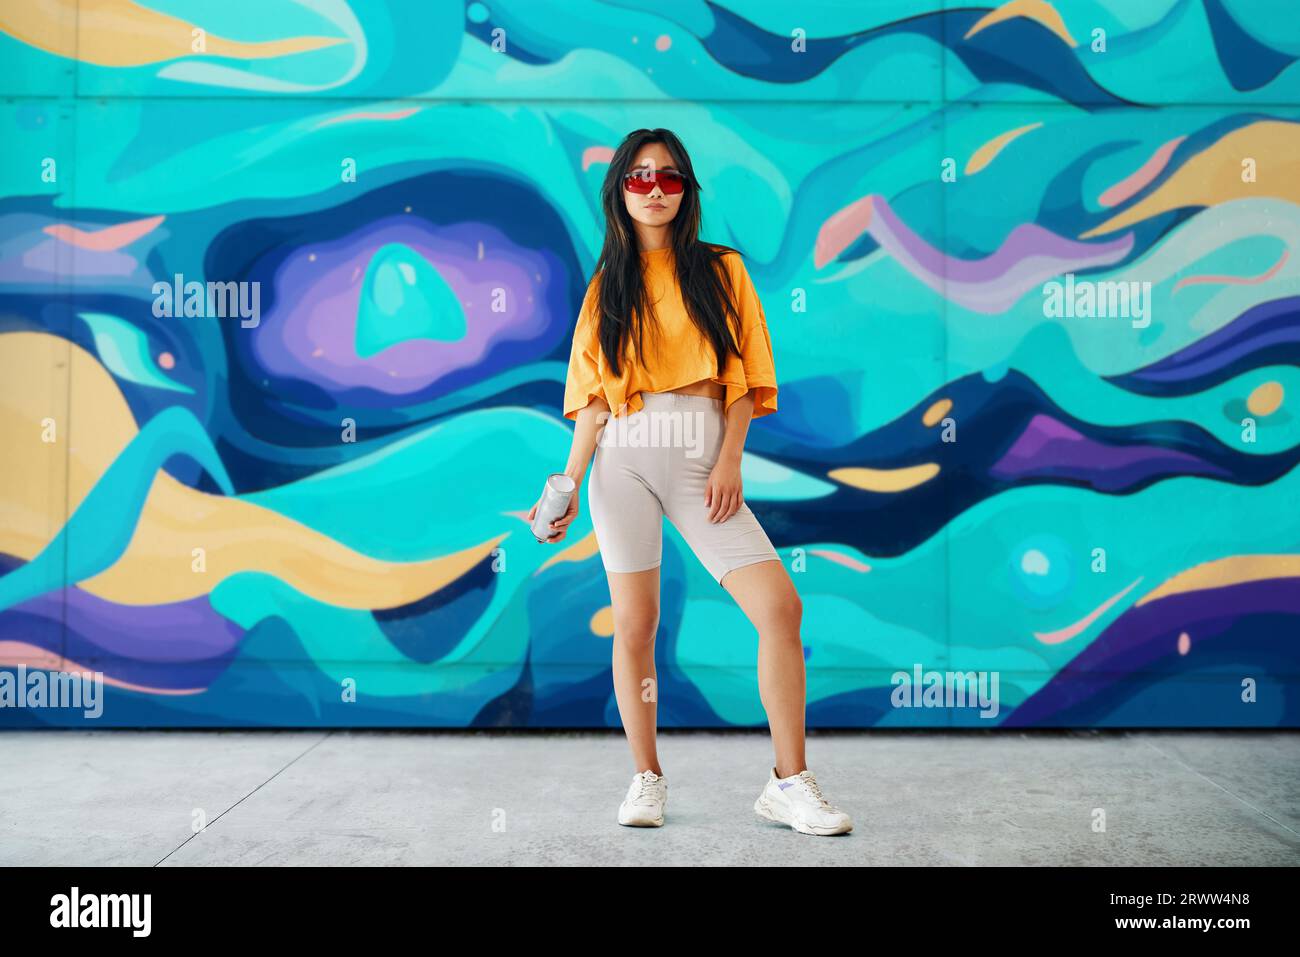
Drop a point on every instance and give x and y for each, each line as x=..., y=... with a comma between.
x=723, y=496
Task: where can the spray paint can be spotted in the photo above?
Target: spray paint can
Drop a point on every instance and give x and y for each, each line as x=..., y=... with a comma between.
x=558, y=490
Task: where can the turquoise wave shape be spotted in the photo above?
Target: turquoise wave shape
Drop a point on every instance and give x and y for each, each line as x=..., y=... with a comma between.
x=404, y=297
x=124, y=350
x=105, y=520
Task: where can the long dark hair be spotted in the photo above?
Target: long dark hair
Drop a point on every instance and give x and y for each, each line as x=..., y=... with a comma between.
x=625, y=309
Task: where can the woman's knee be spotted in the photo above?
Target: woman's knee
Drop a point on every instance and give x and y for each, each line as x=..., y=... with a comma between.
x=782, y=613
x=636, y=628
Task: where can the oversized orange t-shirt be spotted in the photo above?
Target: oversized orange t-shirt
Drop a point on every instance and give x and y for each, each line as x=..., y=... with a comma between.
x=680, y=354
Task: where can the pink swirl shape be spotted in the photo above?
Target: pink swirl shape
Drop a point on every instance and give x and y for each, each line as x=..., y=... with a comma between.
x=106, y=239
x=841, y=229
x=846, y=560
x=1027, y=258
x=1140, y=177
x=371, y=115
x=1069, y=631
x=596, y=154
x=1233, y=280
x=15, y=653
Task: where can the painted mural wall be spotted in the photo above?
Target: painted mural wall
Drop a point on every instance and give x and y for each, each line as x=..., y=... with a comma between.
x=287, y=291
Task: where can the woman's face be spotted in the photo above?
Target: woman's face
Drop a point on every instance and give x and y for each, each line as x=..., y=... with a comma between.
x=655, y=208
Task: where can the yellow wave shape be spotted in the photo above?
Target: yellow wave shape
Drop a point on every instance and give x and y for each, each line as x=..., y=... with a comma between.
x=93, y=424
x=988, y=152
x=935, y=413
x=1215, y=174
x=1222, y=572
x=885, y=480
x=1037, y=10
x=123, y=33
x=584, y=548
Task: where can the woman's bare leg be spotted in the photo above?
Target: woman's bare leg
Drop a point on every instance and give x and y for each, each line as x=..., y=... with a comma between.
x=768, y=598
x=635, y=598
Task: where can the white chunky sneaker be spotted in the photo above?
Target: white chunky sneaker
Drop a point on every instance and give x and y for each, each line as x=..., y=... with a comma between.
x=798, y=802
x=645, y=802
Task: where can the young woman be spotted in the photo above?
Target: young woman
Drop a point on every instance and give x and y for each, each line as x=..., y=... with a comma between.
x=705, y=372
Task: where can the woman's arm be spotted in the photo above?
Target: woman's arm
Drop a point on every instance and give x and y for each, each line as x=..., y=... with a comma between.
x=590, y=420
x=584, y=404
x=586, y=433
x=724, y=493
x=738, y=419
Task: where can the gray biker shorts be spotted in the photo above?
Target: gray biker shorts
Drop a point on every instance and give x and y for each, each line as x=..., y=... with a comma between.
x=655, y=463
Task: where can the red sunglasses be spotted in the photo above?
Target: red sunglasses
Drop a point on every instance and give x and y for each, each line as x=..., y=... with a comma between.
x=644, y=181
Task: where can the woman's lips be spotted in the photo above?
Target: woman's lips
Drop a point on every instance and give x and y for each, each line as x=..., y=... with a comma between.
x=655, y=206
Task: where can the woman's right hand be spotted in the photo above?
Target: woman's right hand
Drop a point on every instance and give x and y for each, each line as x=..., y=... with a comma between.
x=560, y=527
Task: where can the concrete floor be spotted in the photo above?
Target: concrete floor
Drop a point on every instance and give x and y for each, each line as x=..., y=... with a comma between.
x=118, y=797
